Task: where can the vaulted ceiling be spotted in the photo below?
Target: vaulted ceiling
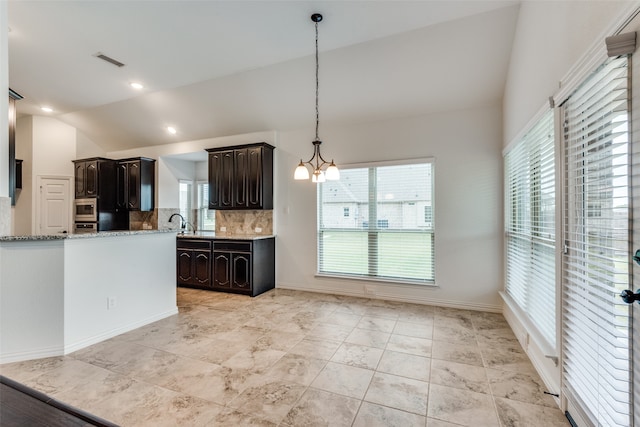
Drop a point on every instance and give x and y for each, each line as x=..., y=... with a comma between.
x=214, y=68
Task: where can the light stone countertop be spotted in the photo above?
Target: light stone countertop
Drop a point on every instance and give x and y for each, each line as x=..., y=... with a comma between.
x=224, y=236
x=82, y=235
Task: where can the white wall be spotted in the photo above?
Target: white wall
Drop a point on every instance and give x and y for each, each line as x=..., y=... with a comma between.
x=4, y=103
x=170, y=172
x=47, y=147
x=468, y=199
x=86, y=148
x=23, y=211
x=61, y=306
x=31, y=300
x=202, y=171
x=551, y=36
x=5, y=202
x=137, y=271
x=54, y=147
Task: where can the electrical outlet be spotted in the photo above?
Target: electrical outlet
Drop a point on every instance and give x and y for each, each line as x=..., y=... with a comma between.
x=258, y=230
x=369, y=290
x=223, y=229
x=111, y=303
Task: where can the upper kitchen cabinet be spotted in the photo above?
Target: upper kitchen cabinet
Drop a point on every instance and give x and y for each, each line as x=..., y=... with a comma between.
x=13, y=97
x=135, y=184
x=241, y=177
x=94, y=177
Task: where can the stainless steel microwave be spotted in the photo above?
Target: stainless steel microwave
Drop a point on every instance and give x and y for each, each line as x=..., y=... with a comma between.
x=86, y=210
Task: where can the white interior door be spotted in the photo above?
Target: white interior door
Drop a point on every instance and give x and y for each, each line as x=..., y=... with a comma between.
x=54, y=214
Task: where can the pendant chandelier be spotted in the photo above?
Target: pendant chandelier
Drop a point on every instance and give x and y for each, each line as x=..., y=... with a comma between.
x=317, y=162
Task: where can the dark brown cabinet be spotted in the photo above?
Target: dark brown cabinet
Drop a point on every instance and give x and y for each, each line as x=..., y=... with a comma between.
x=221, y=173
x=238, y=266
x=193, y=259
x=94, y=178
x=241, y=177
x=232, y=265
x=135, y=183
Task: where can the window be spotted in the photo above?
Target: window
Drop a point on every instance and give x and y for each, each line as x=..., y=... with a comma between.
x=185, y=200
x=385, y=237
x=346, y=212
x=530, y=227
x=197, y=213
x=596, y=323
x=206, y=217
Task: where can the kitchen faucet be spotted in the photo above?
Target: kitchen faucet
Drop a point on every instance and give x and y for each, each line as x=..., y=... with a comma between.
x=183, y=223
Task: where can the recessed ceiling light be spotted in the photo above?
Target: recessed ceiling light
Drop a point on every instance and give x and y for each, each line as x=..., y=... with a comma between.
x=171, y=130
x=136, y=85
x=46, y=109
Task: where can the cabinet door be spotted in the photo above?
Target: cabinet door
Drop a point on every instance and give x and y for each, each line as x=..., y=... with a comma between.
x=240, y=271
x=215, y=168
x=240, y=192
x=80, y=168
x=254, y=178
x=133, y=185
x=184, y=267
x=121, y=186
x=202, y=268
x=222, y=269
x=226, y=180
x=91, y=179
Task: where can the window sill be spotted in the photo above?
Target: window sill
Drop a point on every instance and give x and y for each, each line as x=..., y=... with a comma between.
x=378, y=280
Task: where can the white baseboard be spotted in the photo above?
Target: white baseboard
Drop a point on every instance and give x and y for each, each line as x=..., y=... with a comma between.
x=31, y=354
x=70, y=348
x=549, y=372
x=395, y=292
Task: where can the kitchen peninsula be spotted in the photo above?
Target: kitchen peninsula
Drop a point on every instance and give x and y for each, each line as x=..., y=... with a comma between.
x=61, y=293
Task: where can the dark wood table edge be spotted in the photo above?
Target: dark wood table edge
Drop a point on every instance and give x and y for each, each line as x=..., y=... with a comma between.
x=84, y=416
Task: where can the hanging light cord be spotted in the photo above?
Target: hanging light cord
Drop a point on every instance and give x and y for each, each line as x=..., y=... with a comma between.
x=317, y=86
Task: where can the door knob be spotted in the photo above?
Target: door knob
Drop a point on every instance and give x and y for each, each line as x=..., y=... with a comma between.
x=629, y=297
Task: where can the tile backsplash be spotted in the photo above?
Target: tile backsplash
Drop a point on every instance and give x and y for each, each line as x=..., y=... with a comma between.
x=240, y=222
x=143, y=220
x=245, y=222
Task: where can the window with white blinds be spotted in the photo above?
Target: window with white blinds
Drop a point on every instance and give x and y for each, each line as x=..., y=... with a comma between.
x=184, y=199
x=206, y=217
x=530, y=226
x=596, y=322
x=389, y=232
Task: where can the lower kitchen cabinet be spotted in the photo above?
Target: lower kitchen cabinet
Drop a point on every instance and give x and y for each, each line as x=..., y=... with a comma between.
x=238, y=266
x=193, y=266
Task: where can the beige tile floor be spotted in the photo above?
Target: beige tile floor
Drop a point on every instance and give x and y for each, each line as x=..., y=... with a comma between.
x=290, y=358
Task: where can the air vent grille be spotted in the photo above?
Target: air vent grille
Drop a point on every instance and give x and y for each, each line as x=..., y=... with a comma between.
x=109, y=59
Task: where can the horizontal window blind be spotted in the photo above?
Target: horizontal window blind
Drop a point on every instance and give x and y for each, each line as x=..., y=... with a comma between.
x=389, y=232
x=530, y=226
x=206, y=217
x=596, y=264
x=185, y=200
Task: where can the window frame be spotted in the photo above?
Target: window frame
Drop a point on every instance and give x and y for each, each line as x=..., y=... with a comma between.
x=430, y=229
x=530, y=237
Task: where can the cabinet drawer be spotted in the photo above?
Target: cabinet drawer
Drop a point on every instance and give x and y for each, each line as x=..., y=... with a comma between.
x=230, y=245
x=193, y=244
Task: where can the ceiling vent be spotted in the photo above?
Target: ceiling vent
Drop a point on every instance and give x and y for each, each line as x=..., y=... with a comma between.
x=108, y=59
